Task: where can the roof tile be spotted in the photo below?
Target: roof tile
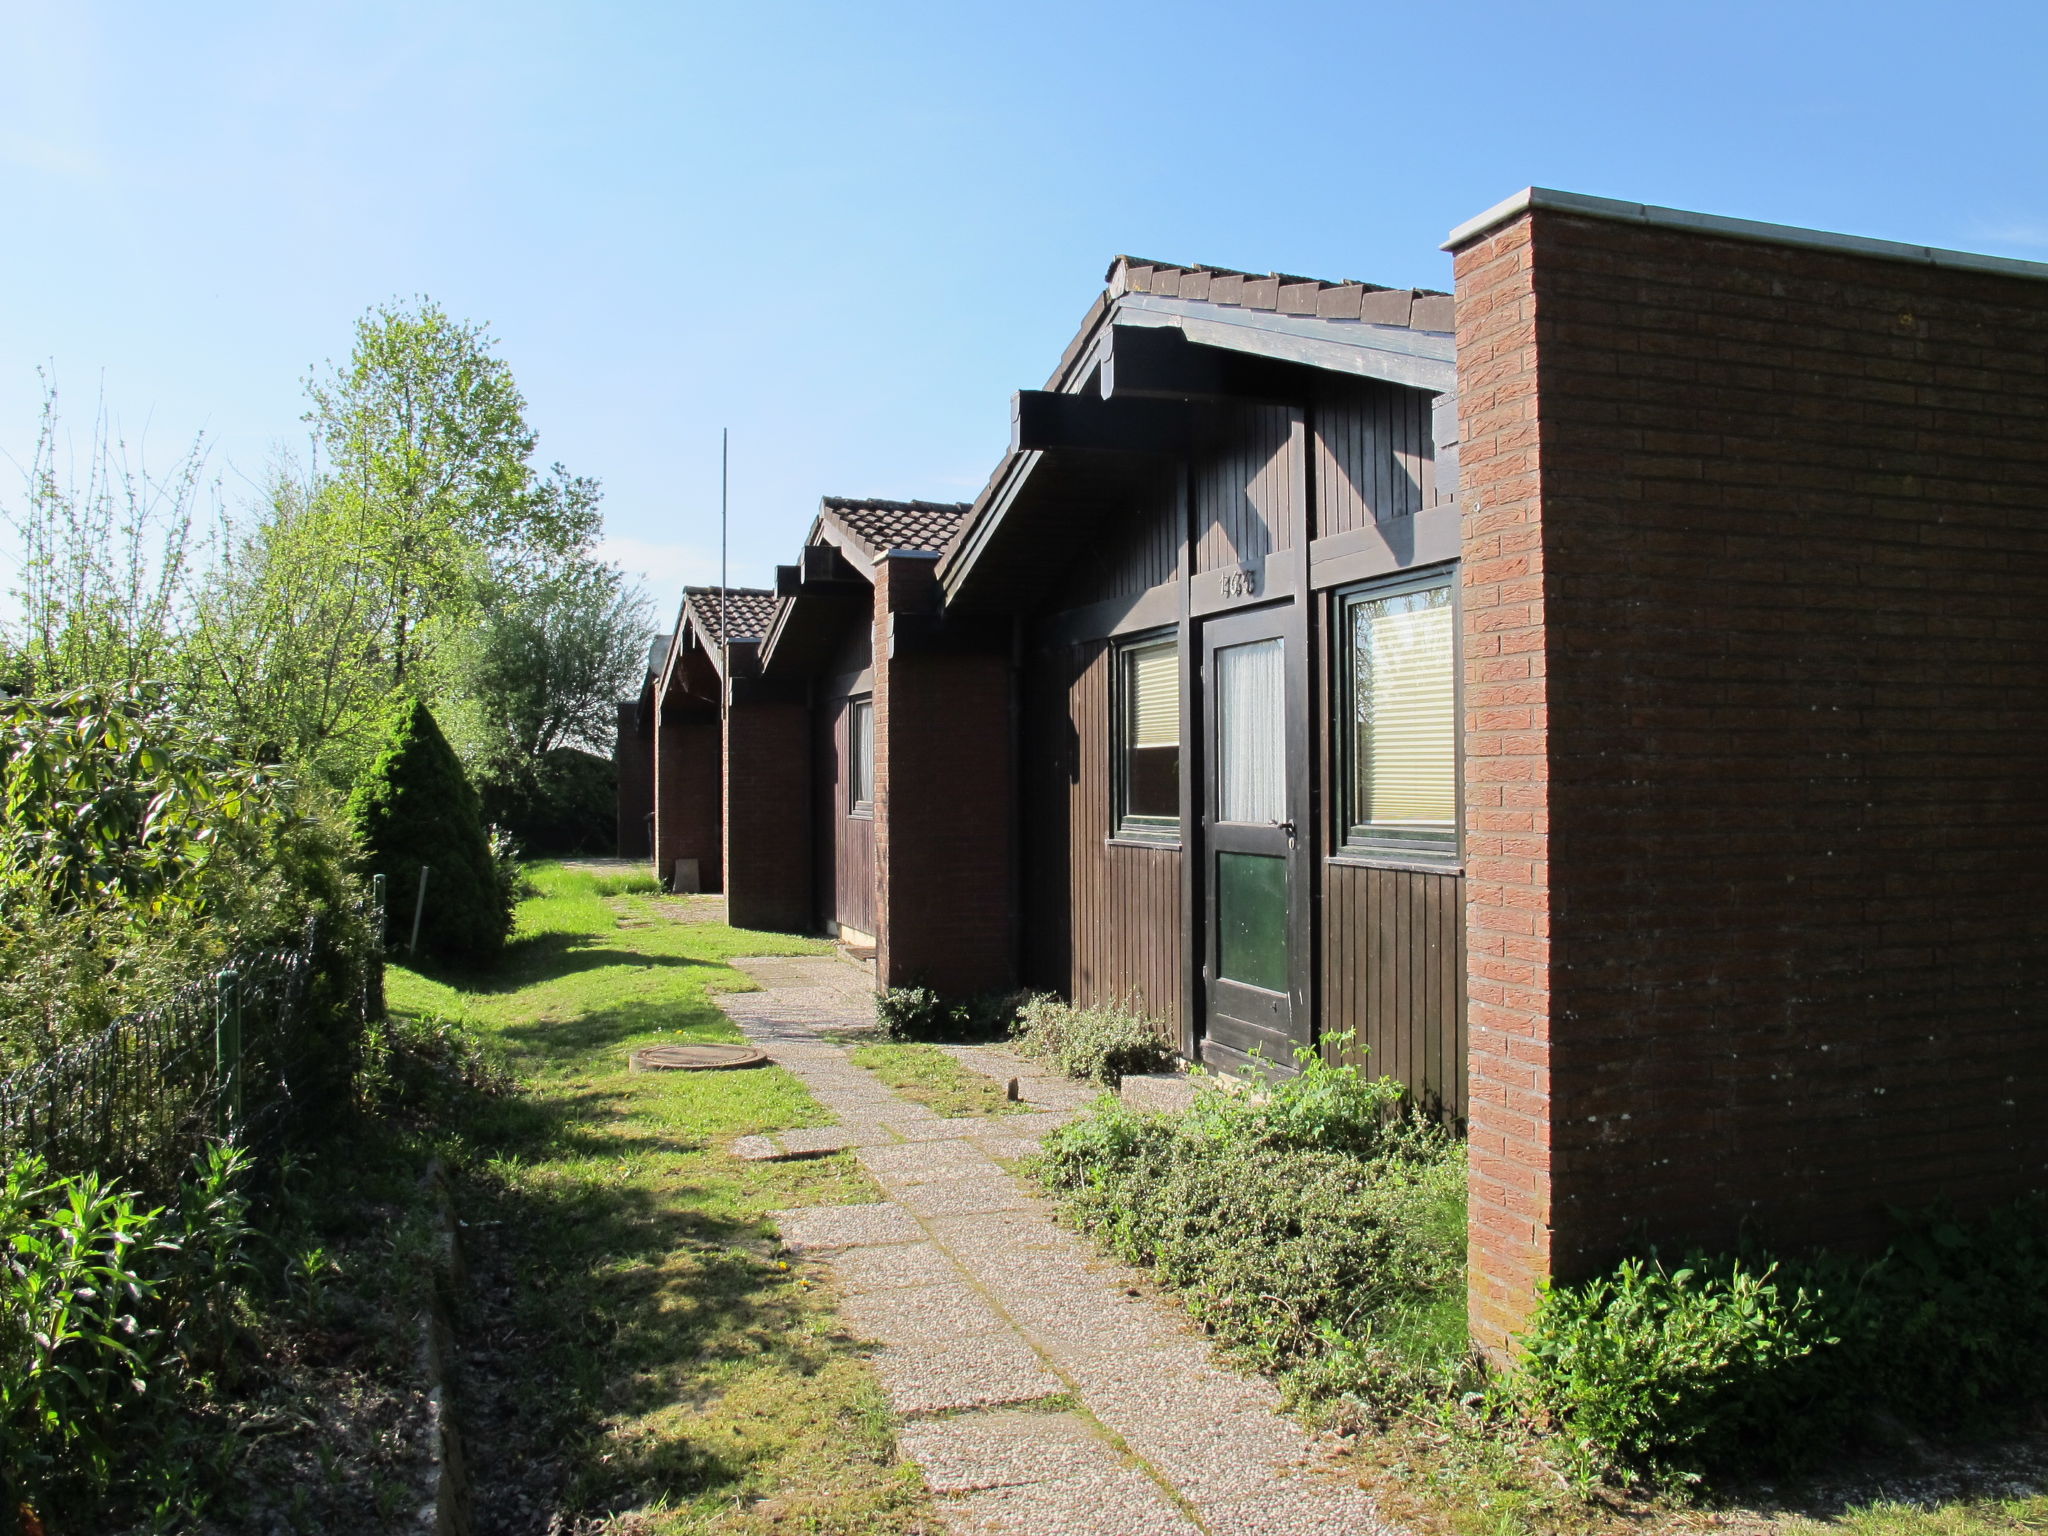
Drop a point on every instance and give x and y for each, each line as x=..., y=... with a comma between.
x=747, y=611
x=881, y=526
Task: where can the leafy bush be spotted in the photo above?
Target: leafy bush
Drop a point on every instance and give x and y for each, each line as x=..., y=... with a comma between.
x=1317, y=1232
x=97, y=1293
x=919, y=1013
x=564, y=803
x=413, y=1068
x=414, y=808
x=1098, y=1045
x=1754, y=1364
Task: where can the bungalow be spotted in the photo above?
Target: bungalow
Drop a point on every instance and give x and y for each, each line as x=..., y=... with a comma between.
x=1609, y=701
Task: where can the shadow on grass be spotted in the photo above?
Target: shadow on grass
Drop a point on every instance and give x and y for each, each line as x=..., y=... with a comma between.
x=541, y=957
x=597, y=1028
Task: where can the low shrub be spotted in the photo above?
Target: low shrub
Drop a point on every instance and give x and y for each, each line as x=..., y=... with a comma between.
x=1097, y=1045
x=1317, y=1229
x=920, y=1014
x=1752, y=1363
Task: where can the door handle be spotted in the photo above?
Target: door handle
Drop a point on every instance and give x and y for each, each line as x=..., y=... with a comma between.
x=1285, y=826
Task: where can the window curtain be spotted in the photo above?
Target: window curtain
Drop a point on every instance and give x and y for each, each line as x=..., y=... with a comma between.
x=1155, y=696
x=1404, y=708
x=1251, y=732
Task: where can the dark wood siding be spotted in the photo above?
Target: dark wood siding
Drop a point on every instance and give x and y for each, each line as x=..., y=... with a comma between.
x=1244, y=484
x=1132, y=555
x=845, y=876
x=1394, y=977
x=1374, y=456
x=1102, y=920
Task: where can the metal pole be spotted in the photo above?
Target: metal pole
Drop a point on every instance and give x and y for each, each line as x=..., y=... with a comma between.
x=724, y=647
x=227, y=1050
x=419, y=907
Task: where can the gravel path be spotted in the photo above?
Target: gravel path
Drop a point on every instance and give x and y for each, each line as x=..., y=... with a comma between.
x=1043, y=1390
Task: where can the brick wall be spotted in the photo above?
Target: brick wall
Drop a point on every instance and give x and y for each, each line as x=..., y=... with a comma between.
x=768, y=817
x=1756, y=618
x=944, y=799
x=633, y=760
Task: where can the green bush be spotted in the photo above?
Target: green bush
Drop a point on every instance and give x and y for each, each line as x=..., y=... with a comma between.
x=1316, y=1229
x=1098, y=1045
x=920, y=1014
x=414, y=808
x=1754, y=1364
x=566, y=803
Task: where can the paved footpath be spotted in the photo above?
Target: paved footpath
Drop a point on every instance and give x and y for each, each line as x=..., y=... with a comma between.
x=1044, y=1390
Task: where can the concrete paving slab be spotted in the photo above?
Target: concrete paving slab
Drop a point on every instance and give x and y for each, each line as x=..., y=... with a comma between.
x=971, y=1373
x=934, y=1129
x=755, y=1149
x=1007, y=1149
x=922, y=1314
x=1036, y=1474
x=895, y=1264
x=913, y=1160
x=963, y=1196
x=817, y=1228
x=1296, y=1506
x=822, y=1138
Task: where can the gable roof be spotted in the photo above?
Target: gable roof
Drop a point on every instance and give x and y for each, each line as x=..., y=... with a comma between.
x=747, y=611
x=875, y=528
x=1396, y=335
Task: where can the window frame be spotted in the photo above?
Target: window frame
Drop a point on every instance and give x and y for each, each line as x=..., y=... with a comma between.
x=1153, y=831
x=855, y=805
x=1356, y=840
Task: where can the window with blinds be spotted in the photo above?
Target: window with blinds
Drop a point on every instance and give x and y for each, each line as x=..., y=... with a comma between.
x=860, y=752
x=1401, y=680
x=1148, y=739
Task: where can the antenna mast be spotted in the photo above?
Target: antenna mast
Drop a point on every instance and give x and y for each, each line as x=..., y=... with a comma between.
x=724, y=645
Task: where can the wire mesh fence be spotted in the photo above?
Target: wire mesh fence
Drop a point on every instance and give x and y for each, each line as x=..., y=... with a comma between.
x=248, y=1054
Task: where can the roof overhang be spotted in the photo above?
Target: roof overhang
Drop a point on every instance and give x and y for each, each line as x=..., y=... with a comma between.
x=820, y=595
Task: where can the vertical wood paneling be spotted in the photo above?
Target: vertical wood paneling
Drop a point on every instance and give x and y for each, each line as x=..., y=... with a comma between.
x=1132, y=556
x=1243, y=481
x=1375, y=458
x=1394, y=977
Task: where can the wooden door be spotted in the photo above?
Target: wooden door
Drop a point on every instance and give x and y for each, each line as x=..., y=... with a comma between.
x=1254, y=842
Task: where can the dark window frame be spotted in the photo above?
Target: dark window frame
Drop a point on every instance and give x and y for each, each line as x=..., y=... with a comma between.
x=858, y=767
x=1357, y=840
x=1154, y=831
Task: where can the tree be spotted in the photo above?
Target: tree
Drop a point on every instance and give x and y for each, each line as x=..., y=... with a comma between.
x=414, y=807
x=428, y=462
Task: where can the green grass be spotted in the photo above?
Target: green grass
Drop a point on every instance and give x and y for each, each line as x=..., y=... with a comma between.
x=634, y=1347
x=931, y=1077
x=1965, y=1517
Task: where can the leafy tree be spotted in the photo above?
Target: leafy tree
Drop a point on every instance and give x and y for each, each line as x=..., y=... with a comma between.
x=415, y=807
x=429, y=464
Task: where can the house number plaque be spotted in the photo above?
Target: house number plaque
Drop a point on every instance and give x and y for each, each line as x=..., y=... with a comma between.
x=1242, y=582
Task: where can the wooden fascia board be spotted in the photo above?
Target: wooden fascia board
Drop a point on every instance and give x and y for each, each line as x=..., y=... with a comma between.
x=990, y=508
x=829, y=530
x=1395, y=354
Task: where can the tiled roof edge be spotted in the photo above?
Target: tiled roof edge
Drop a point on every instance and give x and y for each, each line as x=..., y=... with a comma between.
x=1284, y=293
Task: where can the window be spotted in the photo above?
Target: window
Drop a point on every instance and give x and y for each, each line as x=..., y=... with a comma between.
x=860, y=753
x=1400, y=681
x=1148, y=739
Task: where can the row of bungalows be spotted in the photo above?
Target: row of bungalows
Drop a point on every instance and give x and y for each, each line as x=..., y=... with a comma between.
x=1608, y=699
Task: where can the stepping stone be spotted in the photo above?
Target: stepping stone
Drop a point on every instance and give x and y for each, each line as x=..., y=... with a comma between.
x=816, y=1139
x=1015, y=1471
x=922, y=1314
x=973, y=1373
x=910, y=1161
x=818, y=1228
x=861, y=1270
x=756, y=1149
x=964, y=1196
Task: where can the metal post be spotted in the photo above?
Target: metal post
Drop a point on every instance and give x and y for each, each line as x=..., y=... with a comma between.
x=419, y=908
x=227, y=1050
x=377, y=906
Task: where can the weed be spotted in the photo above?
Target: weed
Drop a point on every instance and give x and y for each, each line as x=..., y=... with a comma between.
x=920, y=1014
x=929, y=1076
x=1097, y=1045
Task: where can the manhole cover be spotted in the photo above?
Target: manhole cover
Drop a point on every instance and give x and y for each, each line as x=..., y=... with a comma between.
x=695, y=1058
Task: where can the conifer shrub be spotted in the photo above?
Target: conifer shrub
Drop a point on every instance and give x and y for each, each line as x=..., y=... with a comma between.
x=414, y=807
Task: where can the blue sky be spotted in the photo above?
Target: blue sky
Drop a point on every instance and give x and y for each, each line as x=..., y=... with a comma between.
x=848, y=232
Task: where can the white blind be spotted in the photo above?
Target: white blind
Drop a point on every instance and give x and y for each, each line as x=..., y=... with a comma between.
x=1405, y=710
x=863, y=745
x=1251, y=733
x=1155, y=696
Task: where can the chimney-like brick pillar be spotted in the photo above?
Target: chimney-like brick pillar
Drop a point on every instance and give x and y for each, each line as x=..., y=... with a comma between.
x=944, y=797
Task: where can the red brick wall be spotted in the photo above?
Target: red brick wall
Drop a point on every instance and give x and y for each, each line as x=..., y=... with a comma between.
x=944, y=801
x=633, y=759
x=768, y=817
x=1756, y=623
x=688, y=821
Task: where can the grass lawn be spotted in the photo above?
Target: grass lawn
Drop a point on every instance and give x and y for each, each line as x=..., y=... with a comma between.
x=928, y=1075
x=635, y=1357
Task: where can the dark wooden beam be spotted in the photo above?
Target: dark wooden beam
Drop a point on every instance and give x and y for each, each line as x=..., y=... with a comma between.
x=789, y=580
x=824, y=565
x=1042, y=420
x=1144, y=362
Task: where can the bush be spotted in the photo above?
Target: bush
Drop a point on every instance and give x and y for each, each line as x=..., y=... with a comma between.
x=920, y=1014
x=566, y=803
x=1755, y=1364
x=414, y=808
x=1097, y=1045
x=1316, y=1230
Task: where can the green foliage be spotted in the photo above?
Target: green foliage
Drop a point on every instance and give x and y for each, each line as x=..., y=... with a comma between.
x=919, y=1013
x=1749, y=1363
x=414, y=808
x=565, y=803
x=1097, y=1045
x=417, y=1067
x=1315, y=1229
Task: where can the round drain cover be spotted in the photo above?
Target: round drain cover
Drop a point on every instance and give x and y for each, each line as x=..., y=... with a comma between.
x=695, y=1058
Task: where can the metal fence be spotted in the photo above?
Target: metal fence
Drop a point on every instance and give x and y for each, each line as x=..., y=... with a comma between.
x=249, y=1054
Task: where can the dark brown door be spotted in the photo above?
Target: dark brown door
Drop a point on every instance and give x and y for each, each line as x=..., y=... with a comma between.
x=1254, y=851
